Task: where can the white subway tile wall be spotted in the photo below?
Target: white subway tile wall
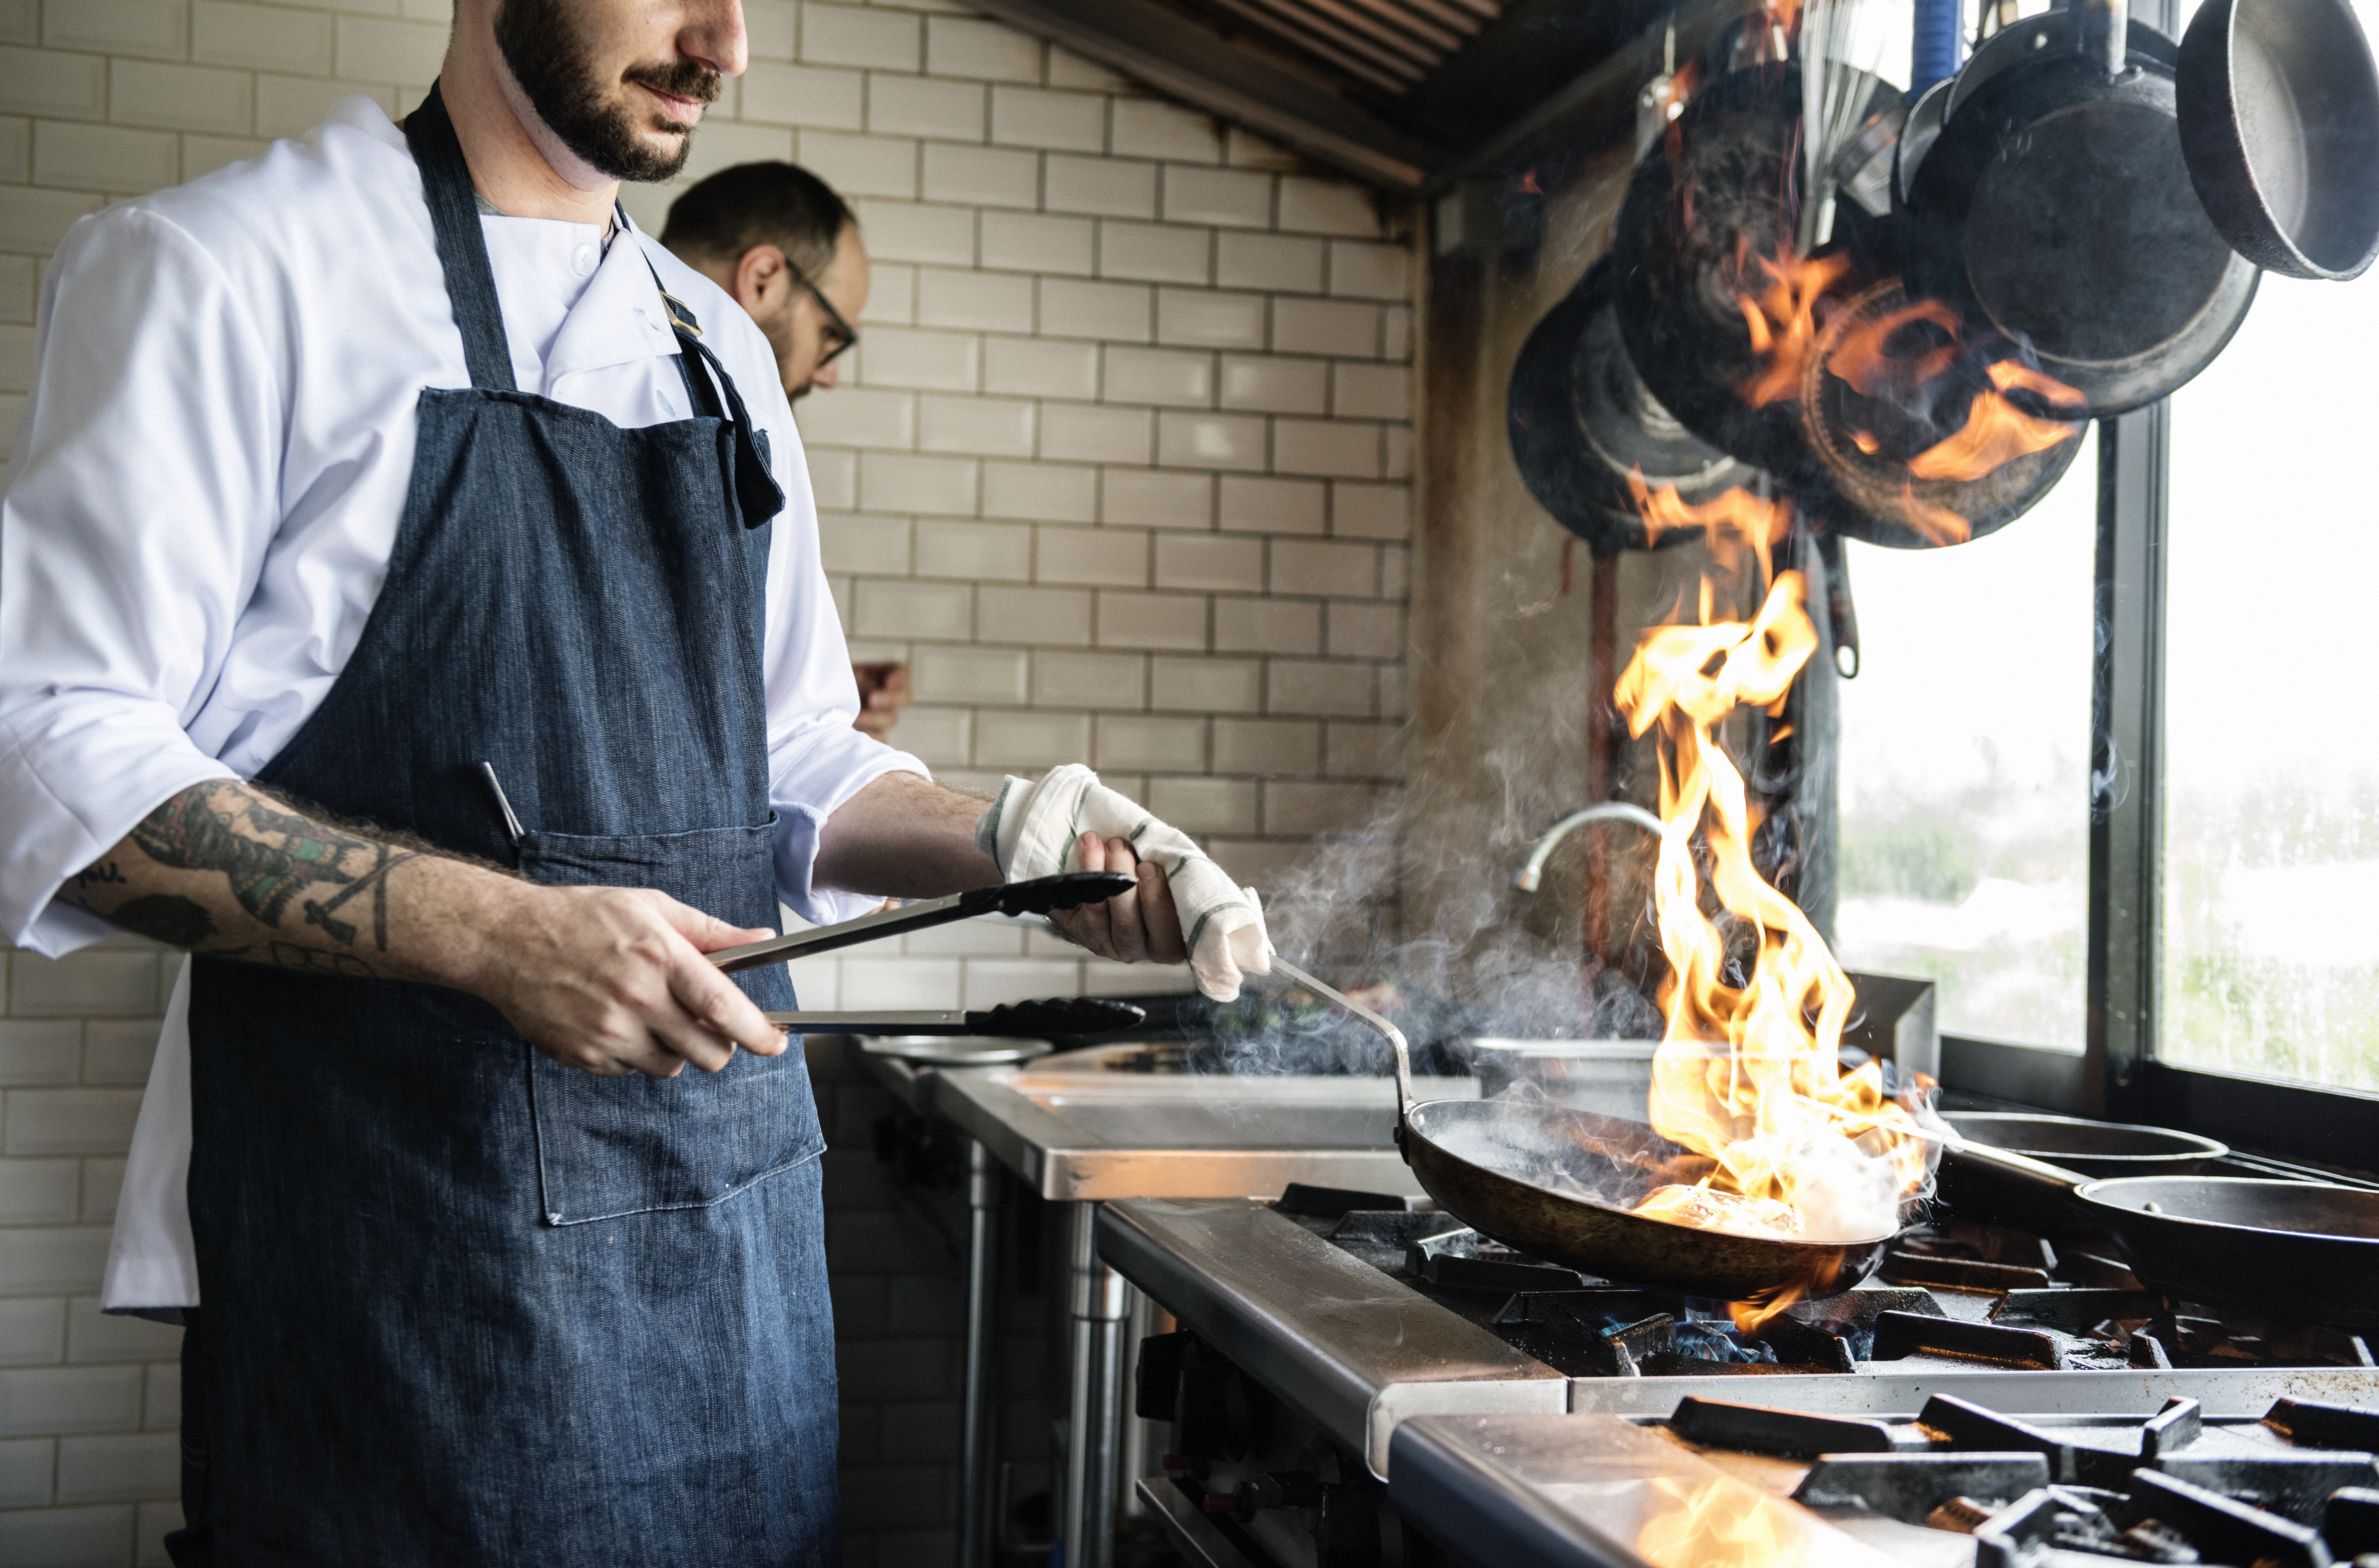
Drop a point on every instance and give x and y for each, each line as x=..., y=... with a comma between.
x=1120, y=467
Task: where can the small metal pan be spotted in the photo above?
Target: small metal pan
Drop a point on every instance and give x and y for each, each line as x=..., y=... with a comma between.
x=2091, y=1148
x=2304, y=1249
x=1476, y=1158
x=2279, y=113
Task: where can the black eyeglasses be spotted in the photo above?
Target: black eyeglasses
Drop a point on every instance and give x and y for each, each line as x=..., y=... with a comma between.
x=842, y=332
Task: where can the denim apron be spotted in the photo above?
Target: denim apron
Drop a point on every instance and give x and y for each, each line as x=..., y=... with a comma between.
x=463, y=1304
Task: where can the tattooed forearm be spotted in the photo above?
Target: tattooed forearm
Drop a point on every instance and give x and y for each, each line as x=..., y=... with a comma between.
x=273, y=884
x=167, y=917
x=280, y=856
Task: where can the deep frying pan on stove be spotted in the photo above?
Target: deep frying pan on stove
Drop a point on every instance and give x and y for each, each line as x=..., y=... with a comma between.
x=2307, y=1249
x=1472, y=1156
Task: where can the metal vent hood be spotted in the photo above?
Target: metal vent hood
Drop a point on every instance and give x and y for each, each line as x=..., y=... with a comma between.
x=1404, y=94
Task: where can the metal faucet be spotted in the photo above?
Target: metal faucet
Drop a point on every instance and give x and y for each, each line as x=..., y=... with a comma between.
x=1526, y=878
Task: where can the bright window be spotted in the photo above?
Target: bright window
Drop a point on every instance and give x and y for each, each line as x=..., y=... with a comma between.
x=1965, y=756
x=2270, y=949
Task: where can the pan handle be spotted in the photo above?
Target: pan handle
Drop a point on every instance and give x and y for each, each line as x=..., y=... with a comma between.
x=1983, y=1182
x=2105, y=35
x=1388, y=1031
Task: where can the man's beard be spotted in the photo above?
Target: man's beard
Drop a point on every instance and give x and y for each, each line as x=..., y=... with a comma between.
x=541, y=41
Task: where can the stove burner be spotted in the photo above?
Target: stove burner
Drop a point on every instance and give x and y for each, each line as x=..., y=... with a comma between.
x=1910, y=1487
x=2165, y=1489
x=1899, y=1335
x=1789, y=1434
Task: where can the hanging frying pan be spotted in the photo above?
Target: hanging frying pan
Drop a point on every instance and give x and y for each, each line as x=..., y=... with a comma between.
x=2280, y=115
x=1932, y=433
x=1503, y=1167
x=1708, y=211
x=2305, y=1249
x=1582, y=422
x=2056, y=207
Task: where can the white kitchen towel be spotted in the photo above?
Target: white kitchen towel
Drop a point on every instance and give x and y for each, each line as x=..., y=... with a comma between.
x=1030, y=831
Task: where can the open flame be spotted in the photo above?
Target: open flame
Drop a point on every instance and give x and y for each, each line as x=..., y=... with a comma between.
x=1748, y=1072
x=1783, y=319
x=1997, y=432
x=1719, y=1523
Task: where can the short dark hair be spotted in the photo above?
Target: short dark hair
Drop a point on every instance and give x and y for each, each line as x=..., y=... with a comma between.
x=778, y=204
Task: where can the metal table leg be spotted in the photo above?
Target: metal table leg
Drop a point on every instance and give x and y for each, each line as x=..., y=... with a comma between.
x=1094, y=1403
x=976, y=1528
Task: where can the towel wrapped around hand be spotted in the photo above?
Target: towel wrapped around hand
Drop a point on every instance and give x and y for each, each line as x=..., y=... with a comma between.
x=1030, y=831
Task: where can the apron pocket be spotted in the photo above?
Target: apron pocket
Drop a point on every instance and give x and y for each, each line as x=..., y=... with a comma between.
x=613, y=1146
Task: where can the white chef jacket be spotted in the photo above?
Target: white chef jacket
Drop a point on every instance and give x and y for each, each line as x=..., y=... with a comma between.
x=205, y=492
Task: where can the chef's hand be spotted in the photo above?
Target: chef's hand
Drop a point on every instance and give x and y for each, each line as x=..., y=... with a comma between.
x=1136, y=926
x=612, y=980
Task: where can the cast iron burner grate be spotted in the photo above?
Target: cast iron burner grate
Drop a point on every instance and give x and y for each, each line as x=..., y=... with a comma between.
x=2299, y=1487
x=1954, y=1295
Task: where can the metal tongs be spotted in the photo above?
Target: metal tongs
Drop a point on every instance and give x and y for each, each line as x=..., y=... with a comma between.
x=1045, y=1020
x=1043, y=895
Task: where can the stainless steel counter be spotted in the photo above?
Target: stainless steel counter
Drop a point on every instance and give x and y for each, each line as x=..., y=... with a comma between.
x=1082, y=1136
x=1354, y=1350
x=1076, y=1137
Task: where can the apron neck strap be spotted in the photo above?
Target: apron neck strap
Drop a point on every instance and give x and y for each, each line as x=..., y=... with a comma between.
x=462, y=248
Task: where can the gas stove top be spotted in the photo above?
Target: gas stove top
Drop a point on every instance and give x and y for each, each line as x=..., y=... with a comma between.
x=1991, y=1397
x=1952, y=1297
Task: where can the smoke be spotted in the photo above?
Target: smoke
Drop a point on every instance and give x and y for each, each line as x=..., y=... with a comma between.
x=1412, y=902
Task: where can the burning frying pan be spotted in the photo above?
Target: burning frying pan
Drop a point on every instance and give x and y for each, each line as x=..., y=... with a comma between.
x=1582, y=422
x=1711, y=208
x=1933, y=434
x=2306, y=1250
x=1468, y=1154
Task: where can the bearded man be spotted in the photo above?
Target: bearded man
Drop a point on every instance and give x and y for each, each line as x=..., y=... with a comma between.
x=410, y=604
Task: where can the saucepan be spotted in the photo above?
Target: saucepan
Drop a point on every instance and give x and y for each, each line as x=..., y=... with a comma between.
x=1502, y=1166
x=2307, y=1249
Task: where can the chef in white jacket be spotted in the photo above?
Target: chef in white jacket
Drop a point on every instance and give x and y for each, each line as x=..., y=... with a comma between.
x=410, y=604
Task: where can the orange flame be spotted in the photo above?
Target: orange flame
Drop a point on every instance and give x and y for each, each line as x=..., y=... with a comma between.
x=1938, y=525
x=1737, y=524
x=1862, y=361
x=1783, y=323
x=1721, y=1523
x=1749, y=1075
x=1996, y=430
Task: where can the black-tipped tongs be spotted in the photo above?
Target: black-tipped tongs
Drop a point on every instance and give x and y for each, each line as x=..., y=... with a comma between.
x=1043, y=895
x=1025, y=1021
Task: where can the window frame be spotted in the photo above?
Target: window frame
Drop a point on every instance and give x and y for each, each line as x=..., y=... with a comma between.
x=2119, y=1073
